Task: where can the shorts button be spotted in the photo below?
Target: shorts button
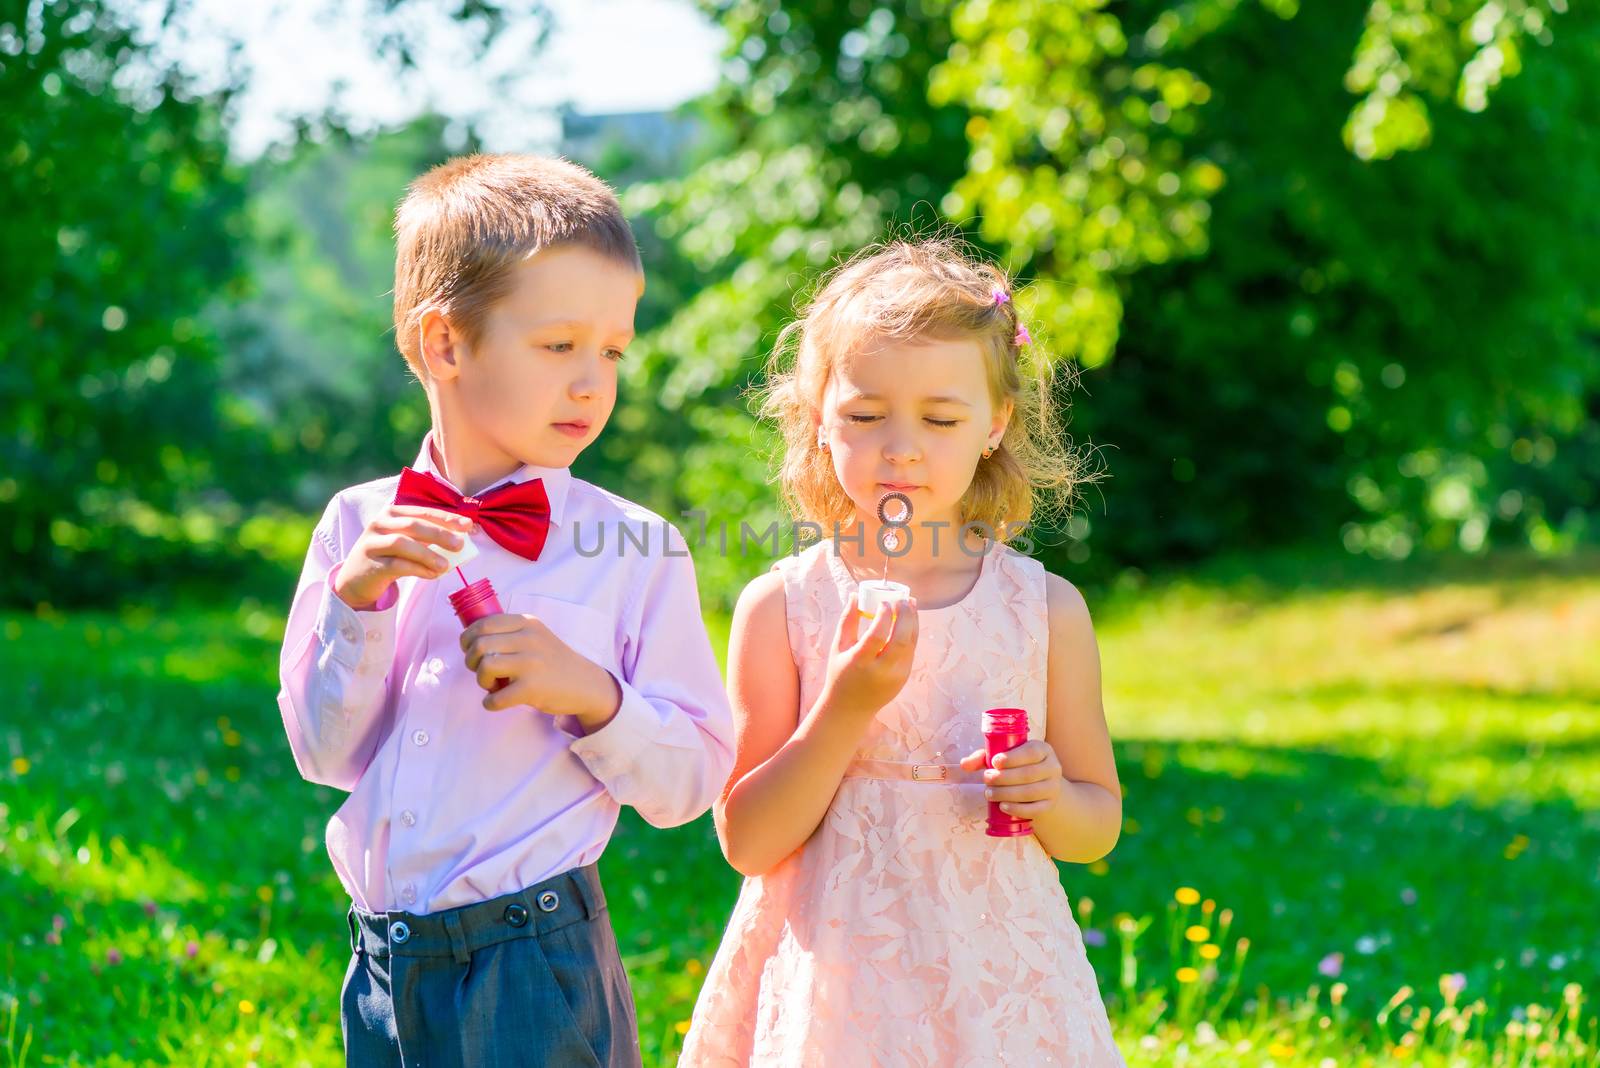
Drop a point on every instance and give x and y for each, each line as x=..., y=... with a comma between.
x=516, y=915
x=549, y=901
x=399, y=933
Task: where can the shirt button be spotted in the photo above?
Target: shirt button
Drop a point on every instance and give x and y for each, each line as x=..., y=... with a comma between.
x=374, y=635
x=410, y=895
x=408, y=818
x=435, y=666
x=349, y=633
x=420, y=737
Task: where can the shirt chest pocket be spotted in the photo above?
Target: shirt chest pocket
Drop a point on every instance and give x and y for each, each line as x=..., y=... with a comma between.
x=587, y=631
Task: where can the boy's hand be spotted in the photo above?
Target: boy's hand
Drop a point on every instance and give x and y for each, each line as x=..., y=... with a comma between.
x=396, y=543
x=545, y=671
x=1025, y=780
x=867, y=668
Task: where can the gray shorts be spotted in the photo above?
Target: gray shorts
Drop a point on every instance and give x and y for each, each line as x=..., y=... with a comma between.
x=531, y=978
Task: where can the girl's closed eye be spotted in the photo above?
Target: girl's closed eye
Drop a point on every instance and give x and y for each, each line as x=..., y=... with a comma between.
x=943, y=423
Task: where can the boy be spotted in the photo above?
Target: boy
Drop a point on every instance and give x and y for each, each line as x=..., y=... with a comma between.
x=477, y=806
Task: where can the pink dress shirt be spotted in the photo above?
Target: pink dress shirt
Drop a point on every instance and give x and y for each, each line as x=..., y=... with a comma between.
x=451, y=804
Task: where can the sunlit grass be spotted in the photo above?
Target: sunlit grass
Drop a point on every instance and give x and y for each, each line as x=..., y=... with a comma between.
x=1341, y=789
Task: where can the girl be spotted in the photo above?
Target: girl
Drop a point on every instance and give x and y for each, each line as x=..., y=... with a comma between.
x=879, y=923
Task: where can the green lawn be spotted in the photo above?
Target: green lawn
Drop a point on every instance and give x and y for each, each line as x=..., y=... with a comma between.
x=1389, y=771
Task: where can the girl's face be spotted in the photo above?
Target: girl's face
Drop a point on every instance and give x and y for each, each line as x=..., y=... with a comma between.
x=911, y=417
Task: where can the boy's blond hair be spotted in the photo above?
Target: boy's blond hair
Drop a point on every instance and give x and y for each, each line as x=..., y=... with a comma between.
x=905, y=291
x=466, y=223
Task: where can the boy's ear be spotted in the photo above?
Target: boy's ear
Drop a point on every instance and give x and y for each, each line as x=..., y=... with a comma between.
x=440, y=346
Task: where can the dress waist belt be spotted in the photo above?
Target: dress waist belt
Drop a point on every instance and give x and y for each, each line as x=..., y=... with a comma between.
x=909, y=772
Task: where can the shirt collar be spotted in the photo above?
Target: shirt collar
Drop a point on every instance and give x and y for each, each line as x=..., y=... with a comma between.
x=557, y=480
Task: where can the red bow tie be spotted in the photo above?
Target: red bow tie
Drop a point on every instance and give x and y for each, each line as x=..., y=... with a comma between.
x=516, y=515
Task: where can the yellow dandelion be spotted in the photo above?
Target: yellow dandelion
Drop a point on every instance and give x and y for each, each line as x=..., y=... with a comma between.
x=232, y=738
x=1210, y=951
x=1188, y=895
x=1099, y=867
x=682, y=1027
x=1208, y=906
x=20, y=765
x=264, y=893
x=247, y=1008
x=1187, y=975
x=1197, y=933
x=1337, y=993
x=1280, y=1049
x=694, y=967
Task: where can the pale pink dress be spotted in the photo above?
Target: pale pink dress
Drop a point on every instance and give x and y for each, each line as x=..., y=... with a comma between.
x=900, y=933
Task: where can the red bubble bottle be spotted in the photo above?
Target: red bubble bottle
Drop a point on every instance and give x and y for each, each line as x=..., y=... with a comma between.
x=1003, y=729
x=471, y=603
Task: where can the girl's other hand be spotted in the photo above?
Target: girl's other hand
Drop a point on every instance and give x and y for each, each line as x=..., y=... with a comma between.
x=1026, y=780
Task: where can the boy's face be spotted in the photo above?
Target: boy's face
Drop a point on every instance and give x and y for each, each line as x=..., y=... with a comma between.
x=911, y=417
x=541, y=380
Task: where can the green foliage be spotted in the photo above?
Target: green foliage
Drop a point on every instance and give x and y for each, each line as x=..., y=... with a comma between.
x=123, y=218
x=1281, y=336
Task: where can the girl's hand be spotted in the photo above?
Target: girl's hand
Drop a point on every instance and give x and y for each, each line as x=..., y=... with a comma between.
x=866, y=669
x=399, y=541
x=1026, y=780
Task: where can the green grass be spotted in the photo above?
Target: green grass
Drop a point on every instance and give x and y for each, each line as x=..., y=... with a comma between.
x=1397, y=764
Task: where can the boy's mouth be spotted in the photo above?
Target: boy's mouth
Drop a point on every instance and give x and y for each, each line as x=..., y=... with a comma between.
x=572, y=430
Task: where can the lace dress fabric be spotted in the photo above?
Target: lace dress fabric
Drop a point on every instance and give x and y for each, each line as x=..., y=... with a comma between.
x=900, y=934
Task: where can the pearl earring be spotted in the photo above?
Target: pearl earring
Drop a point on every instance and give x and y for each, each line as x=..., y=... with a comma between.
x=822, y=441
x=988, y=452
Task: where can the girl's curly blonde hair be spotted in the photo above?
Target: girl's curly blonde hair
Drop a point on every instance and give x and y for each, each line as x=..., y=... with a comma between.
x=904, y=291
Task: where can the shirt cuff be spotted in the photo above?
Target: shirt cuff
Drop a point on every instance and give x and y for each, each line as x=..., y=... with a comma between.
x=361, y=640
x=613, y=750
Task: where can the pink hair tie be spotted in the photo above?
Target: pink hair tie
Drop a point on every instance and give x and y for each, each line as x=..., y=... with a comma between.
x=1001, y=296
x=1023, y=337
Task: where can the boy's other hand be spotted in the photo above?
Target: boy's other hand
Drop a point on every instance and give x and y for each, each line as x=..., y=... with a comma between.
x=545, y=671
x=396, y=543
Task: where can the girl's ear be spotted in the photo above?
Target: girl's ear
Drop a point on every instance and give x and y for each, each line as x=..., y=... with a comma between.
x=1002, y=418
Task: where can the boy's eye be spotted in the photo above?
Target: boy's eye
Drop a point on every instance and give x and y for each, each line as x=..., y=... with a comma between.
x=943, y=422
x=560, y=346
x=615, y=354
x=861, y=418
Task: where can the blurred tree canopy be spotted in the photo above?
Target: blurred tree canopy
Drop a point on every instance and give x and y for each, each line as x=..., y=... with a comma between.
x=187, y=339
x=123, y=223
x=1322, y=274
x=1302, y=301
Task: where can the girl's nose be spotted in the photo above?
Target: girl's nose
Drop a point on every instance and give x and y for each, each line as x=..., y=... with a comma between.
x=901, y=450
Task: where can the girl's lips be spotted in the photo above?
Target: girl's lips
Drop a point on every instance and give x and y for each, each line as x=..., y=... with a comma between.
x=898, y=487
x=572, y=430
